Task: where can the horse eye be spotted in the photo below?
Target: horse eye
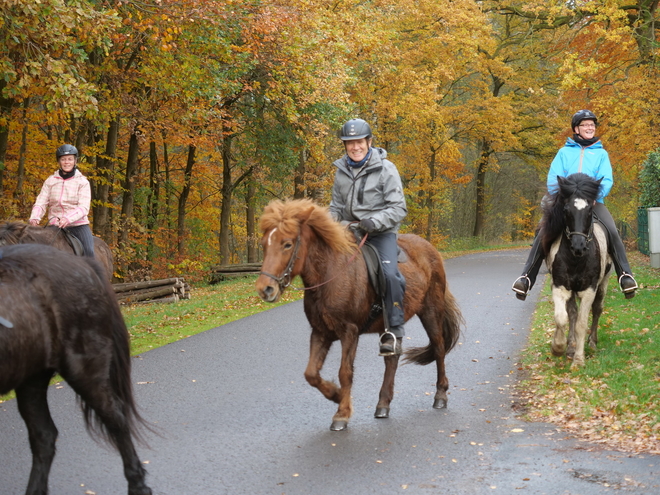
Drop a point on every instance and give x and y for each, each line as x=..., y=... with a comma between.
x=288, y=245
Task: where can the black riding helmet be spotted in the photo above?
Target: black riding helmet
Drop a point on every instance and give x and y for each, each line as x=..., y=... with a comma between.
x=581, y=115
x=355, y=129
x=66, y=149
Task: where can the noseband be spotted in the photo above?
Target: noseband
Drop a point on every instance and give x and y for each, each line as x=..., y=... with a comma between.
x=588, y=236
x=284, y=280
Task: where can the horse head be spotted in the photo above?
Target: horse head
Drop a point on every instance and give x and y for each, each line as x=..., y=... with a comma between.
x=578, y=193
x=289, y=229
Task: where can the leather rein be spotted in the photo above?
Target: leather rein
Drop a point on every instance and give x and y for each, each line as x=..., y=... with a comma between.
x=284, y=280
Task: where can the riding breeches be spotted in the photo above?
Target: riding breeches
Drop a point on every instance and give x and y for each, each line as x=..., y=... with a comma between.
x=387, y=249
x=84, y=234
x=616, y=248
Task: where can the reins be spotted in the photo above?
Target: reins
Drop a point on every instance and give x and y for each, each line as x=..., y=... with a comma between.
x=284, y=280
x=588, y=237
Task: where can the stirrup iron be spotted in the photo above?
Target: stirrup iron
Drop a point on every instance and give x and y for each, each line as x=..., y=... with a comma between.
x=380, y=343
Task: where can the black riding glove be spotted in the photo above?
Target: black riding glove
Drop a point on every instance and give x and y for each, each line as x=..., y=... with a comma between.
x=368, y=225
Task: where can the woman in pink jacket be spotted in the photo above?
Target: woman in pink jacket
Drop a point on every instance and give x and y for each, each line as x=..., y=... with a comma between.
x=66, y=195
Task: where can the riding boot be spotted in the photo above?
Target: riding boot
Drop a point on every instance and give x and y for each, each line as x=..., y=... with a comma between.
x=525, y=282
x=387, y=346
x=617, y=252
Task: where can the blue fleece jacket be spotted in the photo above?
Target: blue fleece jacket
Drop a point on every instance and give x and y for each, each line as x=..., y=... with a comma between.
x=591, y=160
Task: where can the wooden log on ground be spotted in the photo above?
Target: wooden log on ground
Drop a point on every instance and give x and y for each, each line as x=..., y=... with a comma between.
x=146, y=294
x=144, y=285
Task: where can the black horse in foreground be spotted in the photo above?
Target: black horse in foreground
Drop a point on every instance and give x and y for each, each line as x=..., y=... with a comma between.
x=59, y=314
x=578, y=262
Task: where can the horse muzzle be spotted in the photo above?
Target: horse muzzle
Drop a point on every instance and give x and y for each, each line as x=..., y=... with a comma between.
x=267, y=290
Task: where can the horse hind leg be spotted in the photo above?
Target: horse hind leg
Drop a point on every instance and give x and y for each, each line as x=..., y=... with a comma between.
x=32, y=401
x=432, y=319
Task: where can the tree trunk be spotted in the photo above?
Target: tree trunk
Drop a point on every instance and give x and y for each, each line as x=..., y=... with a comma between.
x=20, y=172
x=430, y=201
x=152, y=207
x=183, y=198
x=251, y=224
x=6, y=105
x=482, y=166
x=299, y=178
x=227, y=189
x=129, y=187
x=105, y=171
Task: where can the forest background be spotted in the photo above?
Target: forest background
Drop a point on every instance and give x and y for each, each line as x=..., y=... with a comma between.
x=190, y=115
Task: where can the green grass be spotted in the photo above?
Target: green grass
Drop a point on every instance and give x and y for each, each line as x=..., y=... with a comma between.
x=615, y=397
x=155, y=325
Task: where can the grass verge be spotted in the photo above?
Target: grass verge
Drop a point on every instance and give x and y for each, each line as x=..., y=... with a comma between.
x=614, y=400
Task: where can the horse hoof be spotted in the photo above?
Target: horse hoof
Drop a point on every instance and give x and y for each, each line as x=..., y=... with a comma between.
x=440, y=404
x=382, y=412
x=339, y=425
x=558, y=352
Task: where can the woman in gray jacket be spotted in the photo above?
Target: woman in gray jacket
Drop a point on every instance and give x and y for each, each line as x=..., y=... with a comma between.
x=367, y=189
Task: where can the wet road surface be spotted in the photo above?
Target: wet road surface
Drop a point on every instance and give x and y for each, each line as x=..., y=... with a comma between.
x=236, y=415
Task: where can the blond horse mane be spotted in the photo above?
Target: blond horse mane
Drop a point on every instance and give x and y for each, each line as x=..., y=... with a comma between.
x=288, y=216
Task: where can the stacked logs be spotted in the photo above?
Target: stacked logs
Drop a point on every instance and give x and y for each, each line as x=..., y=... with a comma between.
x=167, y=290
x=224, y=272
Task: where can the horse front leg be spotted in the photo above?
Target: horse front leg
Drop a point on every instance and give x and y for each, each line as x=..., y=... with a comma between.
x=572, y=310
x=560, y=297
x=586, y=301
x=387, y=389
x=348, y=349
x=319, y=345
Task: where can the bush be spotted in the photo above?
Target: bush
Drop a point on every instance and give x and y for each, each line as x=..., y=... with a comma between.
x=649, y=181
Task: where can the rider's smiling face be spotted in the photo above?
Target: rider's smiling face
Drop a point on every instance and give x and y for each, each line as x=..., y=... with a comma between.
x=357, y=149
x=586, y=129
x=67, y=162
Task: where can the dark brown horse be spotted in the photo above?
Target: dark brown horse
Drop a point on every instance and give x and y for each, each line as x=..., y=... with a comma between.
x=59, y=314
x=301, y=238
x=22, y=233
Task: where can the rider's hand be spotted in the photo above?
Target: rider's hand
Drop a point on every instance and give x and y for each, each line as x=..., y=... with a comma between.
x=63, y=222
x=34, y=222
x=368, y=225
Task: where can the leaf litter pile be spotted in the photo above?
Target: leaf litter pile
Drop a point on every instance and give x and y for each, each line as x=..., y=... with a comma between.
x=614, y=400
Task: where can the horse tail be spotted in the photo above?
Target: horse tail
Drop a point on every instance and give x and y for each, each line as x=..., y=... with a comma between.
x=452, y=321
x=119, y=374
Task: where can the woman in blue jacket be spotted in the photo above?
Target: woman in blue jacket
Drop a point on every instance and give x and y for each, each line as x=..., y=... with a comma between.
x=583, y=153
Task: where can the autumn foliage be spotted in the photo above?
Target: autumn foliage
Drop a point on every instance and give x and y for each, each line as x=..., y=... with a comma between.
x=192, y=114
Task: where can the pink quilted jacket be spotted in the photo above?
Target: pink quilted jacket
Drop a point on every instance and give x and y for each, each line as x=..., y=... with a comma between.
x=68, y=198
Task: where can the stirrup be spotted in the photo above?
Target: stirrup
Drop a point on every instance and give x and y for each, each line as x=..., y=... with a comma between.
x=380, y=343
x=520, y=294
x=629, y=289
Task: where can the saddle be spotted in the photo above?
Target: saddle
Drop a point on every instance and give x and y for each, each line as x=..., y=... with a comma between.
x=74, y=242
x=377, y=280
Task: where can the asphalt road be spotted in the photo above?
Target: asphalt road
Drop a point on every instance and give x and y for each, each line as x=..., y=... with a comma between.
x=236, y=416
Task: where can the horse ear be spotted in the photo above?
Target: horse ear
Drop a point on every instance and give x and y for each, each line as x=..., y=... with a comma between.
x=305, y=213
x=561, y=180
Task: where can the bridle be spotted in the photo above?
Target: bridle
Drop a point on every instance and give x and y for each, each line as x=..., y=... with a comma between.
x=588, y=236
x=284, y=280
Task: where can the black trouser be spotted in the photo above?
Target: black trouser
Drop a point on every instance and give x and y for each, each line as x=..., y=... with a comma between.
x=615, y=247
x=84, y=234
x=387, y=249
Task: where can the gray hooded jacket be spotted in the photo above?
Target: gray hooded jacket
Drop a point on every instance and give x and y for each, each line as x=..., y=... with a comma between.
x=375, y=192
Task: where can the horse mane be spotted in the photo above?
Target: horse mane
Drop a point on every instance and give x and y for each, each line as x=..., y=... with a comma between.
x=581, y=185
x=11, y=232
x=289, y=215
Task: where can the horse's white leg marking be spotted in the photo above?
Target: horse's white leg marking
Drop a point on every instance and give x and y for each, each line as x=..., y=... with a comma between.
x=586, y=298
x=270, y=236
x=560, y=297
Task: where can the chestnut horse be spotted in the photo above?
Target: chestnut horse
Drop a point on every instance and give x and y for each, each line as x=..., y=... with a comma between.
x=578, y=262
x=59, y=314
x=301, y=238
x=23, y=233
